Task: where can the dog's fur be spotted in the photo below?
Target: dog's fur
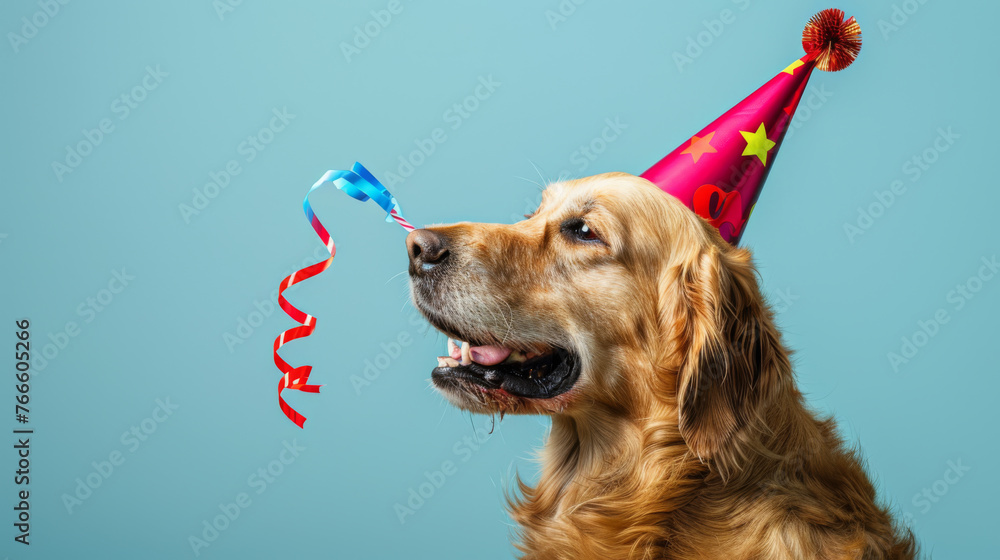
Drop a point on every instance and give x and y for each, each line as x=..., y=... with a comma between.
x=685, y=436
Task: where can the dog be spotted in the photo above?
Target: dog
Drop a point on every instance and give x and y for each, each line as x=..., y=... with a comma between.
x=677, y=428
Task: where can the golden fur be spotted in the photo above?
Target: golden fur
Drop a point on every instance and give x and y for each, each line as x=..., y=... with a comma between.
x=685, y=436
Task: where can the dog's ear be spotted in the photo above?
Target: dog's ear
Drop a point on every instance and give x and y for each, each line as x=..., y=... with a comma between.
x=732, y=360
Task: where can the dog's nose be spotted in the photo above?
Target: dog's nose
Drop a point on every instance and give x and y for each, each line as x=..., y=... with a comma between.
x=427, y=249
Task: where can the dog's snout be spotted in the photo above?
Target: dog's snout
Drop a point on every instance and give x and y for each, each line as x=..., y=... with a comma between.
x=426, y=248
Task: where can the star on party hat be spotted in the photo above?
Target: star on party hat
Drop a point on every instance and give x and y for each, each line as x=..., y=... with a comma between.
x=720, y=171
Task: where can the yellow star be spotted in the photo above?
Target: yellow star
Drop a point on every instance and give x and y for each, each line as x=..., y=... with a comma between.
x=700, y=146
x=757, y=143
x=791, y=67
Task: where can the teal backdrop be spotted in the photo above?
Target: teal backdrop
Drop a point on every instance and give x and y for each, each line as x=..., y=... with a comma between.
x=155, y=156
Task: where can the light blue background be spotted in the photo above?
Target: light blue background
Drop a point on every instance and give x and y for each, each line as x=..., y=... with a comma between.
x=850, y=302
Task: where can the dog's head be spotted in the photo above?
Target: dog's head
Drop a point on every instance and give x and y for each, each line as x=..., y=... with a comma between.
x=613, y=296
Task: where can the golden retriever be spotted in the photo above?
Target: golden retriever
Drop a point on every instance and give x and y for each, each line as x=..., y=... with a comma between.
x=677, y=428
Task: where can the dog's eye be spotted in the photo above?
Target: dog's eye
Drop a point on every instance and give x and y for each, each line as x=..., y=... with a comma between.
x=579, y=230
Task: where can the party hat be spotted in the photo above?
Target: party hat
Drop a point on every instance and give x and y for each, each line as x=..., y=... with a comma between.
x=720, y=171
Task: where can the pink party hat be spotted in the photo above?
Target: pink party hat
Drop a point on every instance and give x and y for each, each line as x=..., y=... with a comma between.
x=720, y=171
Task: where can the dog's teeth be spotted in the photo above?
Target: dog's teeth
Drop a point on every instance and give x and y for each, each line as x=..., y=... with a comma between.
x=453, y=349
x=445, y=361
x=516, y=356
x=466, y=354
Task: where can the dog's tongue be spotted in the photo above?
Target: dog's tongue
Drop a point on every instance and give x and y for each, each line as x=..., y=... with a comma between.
x=489, y=355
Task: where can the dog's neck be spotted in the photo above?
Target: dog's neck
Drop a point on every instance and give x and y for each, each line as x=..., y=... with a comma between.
x=611, y=480
x=599, y=474
x=583, y=452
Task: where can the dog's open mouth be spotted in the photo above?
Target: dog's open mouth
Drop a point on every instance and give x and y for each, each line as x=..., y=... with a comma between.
x=535, y=374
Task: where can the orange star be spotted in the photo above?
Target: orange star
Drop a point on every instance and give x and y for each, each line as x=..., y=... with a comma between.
x=700, y=146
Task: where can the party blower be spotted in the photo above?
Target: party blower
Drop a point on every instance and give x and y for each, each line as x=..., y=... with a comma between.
x=718, y=173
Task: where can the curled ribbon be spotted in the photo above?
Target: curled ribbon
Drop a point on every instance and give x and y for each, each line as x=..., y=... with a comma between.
x=719, y=207
x=361, y=185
